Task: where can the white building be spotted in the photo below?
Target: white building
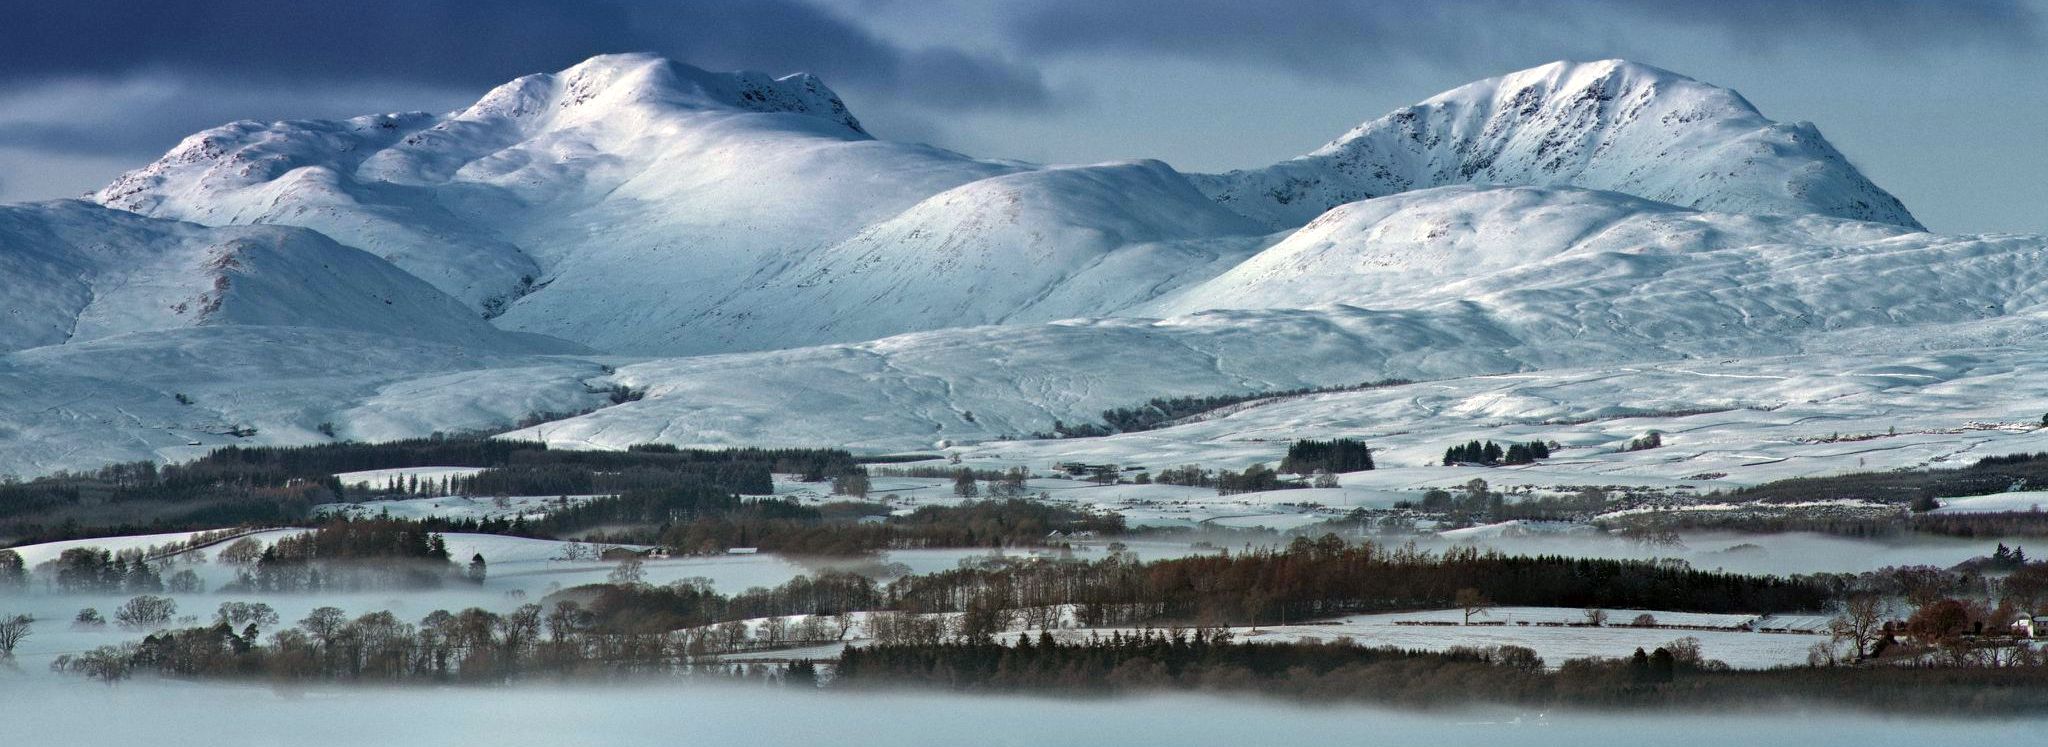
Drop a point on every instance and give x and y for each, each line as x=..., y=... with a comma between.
x=2031, y=627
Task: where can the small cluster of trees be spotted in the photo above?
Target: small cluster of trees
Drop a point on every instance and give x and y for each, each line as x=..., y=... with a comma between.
x=93, y=569
x=1308, y=457
x=344, y=554
x=1257, y=478
x=1488, y=452
x=1476, y=500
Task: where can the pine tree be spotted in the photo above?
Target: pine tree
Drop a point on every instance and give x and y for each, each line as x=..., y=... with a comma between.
x=477, y=568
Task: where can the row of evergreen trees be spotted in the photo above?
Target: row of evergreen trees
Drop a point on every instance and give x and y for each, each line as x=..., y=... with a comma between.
x=1160, y=411
x=1488, y=452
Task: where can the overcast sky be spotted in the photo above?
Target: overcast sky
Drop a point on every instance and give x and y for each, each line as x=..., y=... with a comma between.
x=1943, y=102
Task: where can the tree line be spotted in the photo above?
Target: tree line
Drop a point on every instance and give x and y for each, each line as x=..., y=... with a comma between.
x=274, y=485
x=1488, y=452
x=1675, y=675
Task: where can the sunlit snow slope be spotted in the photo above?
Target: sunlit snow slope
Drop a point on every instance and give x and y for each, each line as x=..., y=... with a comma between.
x=612, y=203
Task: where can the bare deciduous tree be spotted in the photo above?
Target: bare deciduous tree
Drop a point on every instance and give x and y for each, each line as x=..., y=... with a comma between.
x=1860, y=622
x=629, y=573
x=12, y=631
x=1473, y=603
x=145, y=611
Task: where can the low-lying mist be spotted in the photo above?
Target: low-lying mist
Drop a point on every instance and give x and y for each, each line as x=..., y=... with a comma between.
x=169, y=714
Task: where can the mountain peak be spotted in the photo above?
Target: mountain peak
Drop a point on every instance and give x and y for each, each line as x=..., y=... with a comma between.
x=602, y=85
x=1609, y=124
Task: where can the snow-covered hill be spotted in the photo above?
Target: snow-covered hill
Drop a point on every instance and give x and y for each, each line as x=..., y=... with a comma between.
x=1032, y=246
x=72, y=271
x=175, y=394
x=1606, y=265
x=1610, y=125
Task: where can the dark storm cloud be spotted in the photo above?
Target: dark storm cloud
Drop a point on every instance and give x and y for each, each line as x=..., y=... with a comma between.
x=467, y=44
x=1347, y=37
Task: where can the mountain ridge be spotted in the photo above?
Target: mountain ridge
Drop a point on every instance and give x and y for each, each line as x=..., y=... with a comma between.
x=714, y=211
x=1610, y=124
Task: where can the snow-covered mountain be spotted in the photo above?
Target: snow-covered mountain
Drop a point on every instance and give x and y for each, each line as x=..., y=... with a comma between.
x=1610, y=125
x=73, y=271
x=638, y=205
x=786, y=279
x=612, y=203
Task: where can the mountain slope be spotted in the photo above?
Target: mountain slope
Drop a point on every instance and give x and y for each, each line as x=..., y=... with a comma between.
x=1437, y=284
x=1610, y=125
x=1032, y=246
x=174, y=394
x=73, y=271
x=1584, y=254
x=609, y=203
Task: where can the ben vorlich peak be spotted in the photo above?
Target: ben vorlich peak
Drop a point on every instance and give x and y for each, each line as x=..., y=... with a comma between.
x=1610, y=125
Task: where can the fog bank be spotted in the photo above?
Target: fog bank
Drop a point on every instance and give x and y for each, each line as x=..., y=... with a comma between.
x=40, y=710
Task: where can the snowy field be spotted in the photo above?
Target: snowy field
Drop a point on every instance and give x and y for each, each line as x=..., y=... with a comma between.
x=2018, y=500
x=1556, y=634
x=456, y=507
x=1742, y=650
x=378, y=478
x=1178, y=506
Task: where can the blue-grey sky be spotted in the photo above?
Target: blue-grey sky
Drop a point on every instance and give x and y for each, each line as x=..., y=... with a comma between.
x=1944, y=102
